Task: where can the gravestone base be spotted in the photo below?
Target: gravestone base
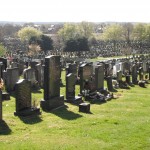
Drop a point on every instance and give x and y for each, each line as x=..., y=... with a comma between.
x=52, y=103
x=28, y=112
x=84, y=107
x=76, y=100
x=5, y=96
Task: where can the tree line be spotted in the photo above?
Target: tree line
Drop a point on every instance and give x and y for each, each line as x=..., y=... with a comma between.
x=78, y=36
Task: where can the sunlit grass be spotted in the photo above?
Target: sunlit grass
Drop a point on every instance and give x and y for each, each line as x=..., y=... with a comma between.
x=119, y=124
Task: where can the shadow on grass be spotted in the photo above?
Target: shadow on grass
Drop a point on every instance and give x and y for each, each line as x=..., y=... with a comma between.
x=131, y=85
x=113, y=90
x=127, y=88
x=64, y=113
x=4, y=128
x=30, y=119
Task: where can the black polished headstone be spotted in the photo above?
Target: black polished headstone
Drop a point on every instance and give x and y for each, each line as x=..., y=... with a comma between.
x=52, y=72
x=134, y=74
x=109, y=83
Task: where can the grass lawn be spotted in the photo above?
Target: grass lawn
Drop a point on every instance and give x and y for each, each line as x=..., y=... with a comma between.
x=120, y=124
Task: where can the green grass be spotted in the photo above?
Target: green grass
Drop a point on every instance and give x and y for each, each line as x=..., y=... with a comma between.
x=120, y=124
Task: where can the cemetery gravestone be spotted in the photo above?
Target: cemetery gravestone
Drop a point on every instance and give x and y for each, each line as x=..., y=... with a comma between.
x=144, y=66
x=128, y=79
x=86, y=72
x=39, y=74
x=109, y=83
x=141, y=73
x=52, y=98
x=119, y=75
x=14, y=65
x=70, y=90
x=30, y=75
x=12, y=76
x=23, y=99
x=106, y=69
x=21, y=66
x=4, y=61
x=99, y=77
x=134, y=74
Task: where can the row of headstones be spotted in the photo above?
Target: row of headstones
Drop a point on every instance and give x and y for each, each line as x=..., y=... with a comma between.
x=102, y=71
x=12, y=75
x=52, y=98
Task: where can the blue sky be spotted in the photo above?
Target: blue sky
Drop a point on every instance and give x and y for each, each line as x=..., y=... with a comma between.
x=75, y=11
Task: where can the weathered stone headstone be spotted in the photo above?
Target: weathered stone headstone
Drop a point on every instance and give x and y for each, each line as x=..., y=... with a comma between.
x=0, y=105
x=23, y=99
x=21, y=66
x=30, y=75
x=126, y=66
x=70, y=90
x=134, y=74
x=141, y=73
x=39, y=74
x=86, y=72
x=14, y=65
x=144, y=66
x=119, y=75
x=52, y=98
x=99, y=77
x=11, y=77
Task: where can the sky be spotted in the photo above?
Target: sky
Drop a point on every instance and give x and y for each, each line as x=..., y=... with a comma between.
x=75, y=10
